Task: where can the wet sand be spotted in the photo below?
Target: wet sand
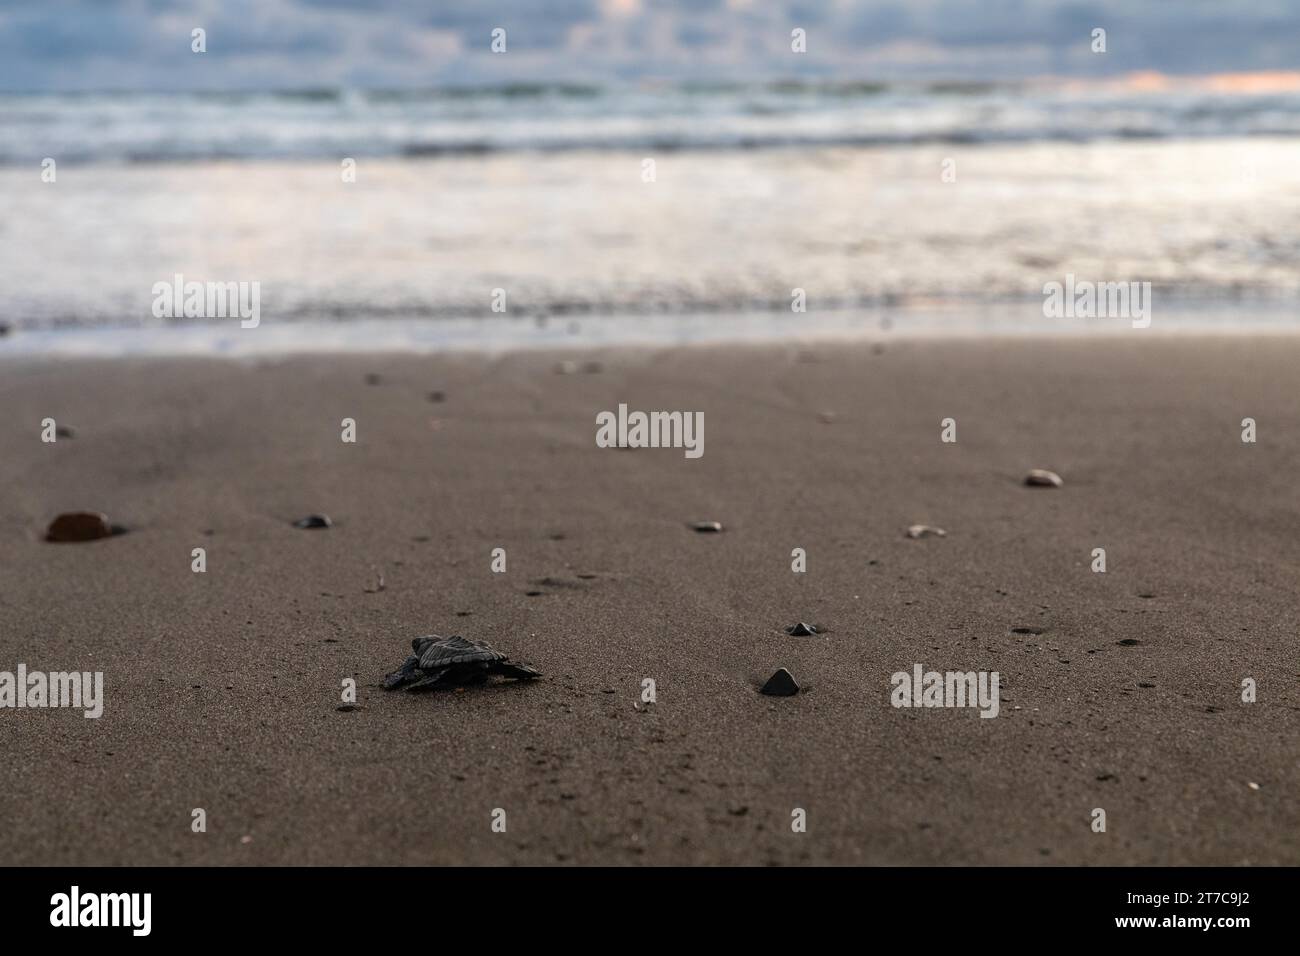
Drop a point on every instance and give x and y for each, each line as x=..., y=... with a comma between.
x=222, y=687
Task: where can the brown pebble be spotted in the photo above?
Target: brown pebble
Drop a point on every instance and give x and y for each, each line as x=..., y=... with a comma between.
x=79, y=526
x=707, y=527
x=1042, y=478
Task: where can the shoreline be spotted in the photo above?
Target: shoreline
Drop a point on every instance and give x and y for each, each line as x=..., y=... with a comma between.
x=498, y=335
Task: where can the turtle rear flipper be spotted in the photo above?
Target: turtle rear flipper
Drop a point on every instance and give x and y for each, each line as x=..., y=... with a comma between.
x=428, y=679
x=515, y=670
x=403, y=675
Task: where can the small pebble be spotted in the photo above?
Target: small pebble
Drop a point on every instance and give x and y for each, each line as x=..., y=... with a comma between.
x=1253, y=785
x=348, y=708
x=314, y=521
x=80, y=526
x=925, y=531
x=802, y=630
x=780, y=684
x=707, y=527
x=1042, y=478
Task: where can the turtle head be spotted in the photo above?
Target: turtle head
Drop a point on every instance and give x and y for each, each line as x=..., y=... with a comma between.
x=420, y=643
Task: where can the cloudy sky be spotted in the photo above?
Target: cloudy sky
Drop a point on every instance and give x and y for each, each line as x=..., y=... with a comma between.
x=294, y=44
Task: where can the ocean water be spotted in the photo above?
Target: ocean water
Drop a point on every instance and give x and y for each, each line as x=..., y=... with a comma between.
x=879, y=202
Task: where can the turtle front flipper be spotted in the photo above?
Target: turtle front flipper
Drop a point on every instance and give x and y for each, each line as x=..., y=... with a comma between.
x=428, y=679
x=512, y=669
x=408, y=672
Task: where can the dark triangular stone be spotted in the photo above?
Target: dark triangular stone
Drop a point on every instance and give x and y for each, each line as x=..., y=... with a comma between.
x=781, y=684
x=802, y=630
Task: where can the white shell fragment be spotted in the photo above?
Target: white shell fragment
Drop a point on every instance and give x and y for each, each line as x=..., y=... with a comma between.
x=1042, y=478
x=925, y=531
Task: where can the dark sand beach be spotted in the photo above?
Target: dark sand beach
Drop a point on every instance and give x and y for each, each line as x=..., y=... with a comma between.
x=221, y=688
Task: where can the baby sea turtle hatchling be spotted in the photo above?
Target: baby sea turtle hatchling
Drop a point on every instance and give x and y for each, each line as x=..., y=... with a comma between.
x=452, y=662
